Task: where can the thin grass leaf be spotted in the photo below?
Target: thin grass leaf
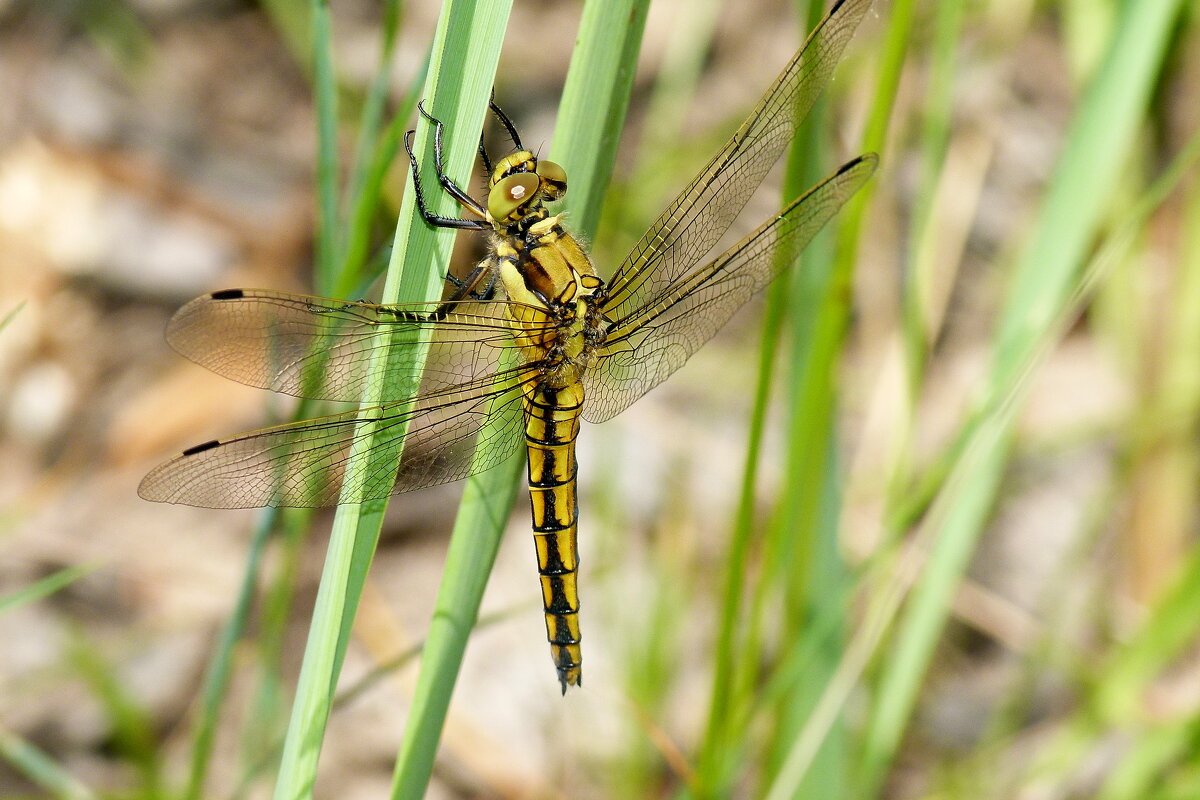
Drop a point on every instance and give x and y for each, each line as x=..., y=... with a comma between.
x=331, y=272
x=294, y=22
x=36, y=765
x=920, y=324
x=356, y=270
x=132, y=728
x=466, y=46
x=371, y=115
x=265, y=718
x=1069, y=746
x=465, y=53
x=1046, y=275
x=737, y=657
x=45, y=587
x=220, y=665
x=1155, y=750
x=579, y=145
x=325, y=90
x=595, y=98
x=11, y=315
x=804, y=535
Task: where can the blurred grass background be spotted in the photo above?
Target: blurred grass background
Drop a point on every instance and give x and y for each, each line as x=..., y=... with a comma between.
x=919, y=524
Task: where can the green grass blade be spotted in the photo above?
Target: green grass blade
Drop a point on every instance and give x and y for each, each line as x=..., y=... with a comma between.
x=11, y=315
x=489, y=496
x=736, y=655
x=803, y=537
x=581, y=146
x=39, y=767
x=466, y=50
x=325, y=90
x=332, y=275
x=1118, y=688
x=132, y=735
x=805, y=533
x=294, y=22
x=373, y=105
x=220, y=665
x=45, y=587
x=594, y=101
x=365, y=203
x=265, y=715
x=920, y=325
x=1156, y=749
x=1047, y=273
x=478, y=527
x=895, y=47
x=1171, y=627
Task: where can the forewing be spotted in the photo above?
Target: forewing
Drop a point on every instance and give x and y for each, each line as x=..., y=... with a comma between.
x=646, y=345
x=308, y=464
x=330, y=349
x=691, y=225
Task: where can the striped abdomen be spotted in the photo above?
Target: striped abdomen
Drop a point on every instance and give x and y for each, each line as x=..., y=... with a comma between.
x=551, y=426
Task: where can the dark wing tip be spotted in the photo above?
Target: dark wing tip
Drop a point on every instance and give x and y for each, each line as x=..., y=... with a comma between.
x=228, y=294
x=871, y=160
x=200, y=448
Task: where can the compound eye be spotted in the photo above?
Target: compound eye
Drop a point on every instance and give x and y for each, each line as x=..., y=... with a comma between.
x=554, y=179
x=512, y=195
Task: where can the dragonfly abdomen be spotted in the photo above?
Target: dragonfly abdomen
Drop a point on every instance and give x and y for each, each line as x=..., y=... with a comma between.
x=551, y=427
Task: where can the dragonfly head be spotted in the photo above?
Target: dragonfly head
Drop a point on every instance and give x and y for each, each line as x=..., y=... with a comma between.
x=520, y=183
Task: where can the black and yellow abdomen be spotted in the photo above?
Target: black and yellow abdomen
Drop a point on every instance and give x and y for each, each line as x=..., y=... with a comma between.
x=554, y=283
x=551, y=427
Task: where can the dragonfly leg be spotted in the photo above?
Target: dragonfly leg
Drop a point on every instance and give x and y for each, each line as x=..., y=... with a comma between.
x=486, y=160
x=430, y=218
x=505, y=121
x=465, y=288
x=447, y=183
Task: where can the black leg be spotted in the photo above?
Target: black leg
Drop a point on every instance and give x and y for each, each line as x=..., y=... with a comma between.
x=489, y=287
x=465, y=288
x=429, y=217
x=451, y=188
x=487, y=162
x=505, y=121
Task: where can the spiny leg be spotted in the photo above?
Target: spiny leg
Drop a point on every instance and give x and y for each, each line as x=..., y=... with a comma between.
x=485, y=273
x=446, y=182
x=464, y=288
x=487, y=162
x=505, y=121
x=430, y=218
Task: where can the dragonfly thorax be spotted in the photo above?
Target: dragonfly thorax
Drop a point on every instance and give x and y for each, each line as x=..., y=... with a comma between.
x=557, y=297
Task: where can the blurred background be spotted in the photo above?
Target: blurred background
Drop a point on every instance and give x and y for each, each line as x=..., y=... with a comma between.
x=968, y=554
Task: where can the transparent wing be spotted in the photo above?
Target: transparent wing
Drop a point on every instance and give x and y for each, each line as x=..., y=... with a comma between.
x=326, y=349
x=307, y=464
x=646, y=345
x=691, y=225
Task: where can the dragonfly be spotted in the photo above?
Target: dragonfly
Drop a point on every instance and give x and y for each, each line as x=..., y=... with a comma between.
x=523, y=349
